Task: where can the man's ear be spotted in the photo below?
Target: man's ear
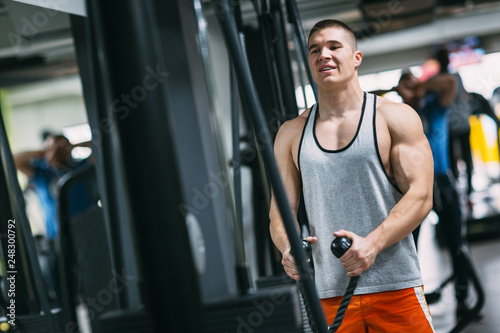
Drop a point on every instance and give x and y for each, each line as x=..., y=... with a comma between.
x=358, y=58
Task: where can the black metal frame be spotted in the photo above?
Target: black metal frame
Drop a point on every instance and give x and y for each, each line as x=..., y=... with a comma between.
x=127, y=36
x=282, y=59
x=25, y=295
x=174, y=135
x=24, y=238
x=109, y=170
x=296, y=22
x=250, y=99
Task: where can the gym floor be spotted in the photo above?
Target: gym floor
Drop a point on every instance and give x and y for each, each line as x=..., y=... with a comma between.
x=436, y=267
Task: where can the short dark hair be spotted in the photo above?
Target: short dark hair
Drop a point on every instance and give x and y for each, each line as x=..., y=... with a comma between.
x=407, y=76
x=58, y=137
x=442, y=56
x=331, y=23
x=45, y=134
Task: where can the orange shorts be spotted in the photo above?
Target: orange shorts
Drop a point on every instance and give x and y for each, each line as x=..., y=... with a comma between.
x=393, y=311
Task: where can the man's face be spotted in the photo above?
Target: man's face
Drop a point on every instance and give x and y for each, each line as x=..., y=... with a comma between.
x=332, y=58
x=57, y=152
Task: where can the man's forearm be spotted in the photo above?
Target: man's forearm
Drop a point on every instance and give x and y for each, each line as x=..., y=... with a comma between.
x=279, y=236
x=28, y=156
x=402, y=220
x=23, y=160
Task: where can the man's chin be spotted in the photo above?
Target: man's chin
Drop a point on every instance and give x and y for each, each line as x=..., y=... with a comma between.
x=332, y=82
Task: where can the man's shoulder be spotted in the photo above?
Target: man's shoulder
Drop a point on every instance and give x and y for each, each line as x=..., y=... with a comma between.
x=396, y=115
x=390, y=109
x=295, y=126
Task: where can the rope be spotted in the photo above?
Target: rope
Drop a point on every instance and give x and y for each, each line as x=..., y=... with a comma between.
x=312, y=323
x=339, y=247
x=353, y=282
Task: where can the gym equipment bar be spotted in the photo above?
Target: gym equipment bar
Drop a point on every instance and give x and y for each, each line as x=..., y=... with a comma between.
x=250, y=99
x=295, y=21
x=24, y=227
x=170, y=283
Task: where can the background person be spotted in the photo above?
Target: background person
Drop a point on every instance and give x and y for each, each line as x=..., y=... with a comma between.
x=432, y=99
x=44, y=168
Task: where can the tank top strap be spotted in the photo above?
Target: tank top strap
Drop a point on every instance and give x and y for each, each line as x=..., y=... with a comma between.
x=311, y=119
x=366, y=131
x=307, y=132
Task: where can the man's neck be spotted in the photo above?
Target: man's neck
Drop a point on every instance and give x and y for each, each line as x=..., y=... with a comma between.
x=337, y=102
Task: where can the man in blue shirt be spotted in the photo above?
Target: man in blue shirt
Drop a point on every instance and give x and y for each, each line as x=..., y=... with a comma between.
x=44, y=168
x=432, y=100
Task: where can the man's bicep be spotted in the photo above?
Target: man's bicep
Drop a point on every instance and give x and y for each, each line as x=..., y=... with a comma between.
x=415, y=166
x=411, y=157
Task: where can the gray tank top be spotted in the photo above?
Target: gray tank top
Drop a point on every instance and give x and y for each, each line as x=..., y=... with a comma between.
x=349, y=189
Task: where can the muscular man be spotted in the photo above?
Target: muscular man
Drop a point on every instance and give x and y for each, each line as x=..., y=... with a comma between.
x=365, y=168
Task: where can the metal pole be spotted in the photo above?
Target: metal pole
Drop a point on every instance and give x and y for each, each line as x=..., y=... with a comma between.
x=301, y=75
x=25, y=229
x=249, y=98
x=170, y=286
x=244, y=283
x=294, y=19
x=282, y=61
x=265, y=29
x=235, y=125
x=95, y=82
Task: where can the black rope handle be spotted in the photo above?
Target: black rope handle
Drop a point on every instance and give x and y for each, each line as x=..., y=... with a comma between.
x=339, y=247
x=353, y=282
x=312, y=324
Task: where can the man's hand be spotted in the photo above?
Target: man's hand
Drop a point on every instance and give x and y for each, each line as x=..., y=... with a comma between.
x=361, y=254
x=288, y=261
